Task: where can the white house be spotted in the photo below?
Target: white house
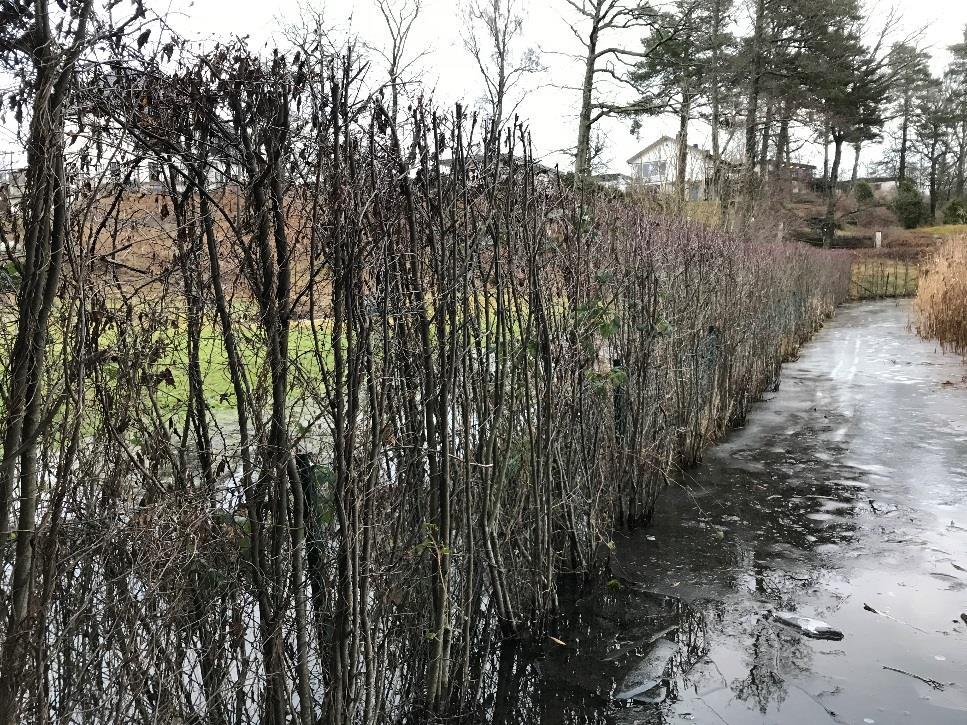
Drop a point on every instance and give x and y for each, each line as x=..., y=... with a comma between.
x=884, y=187
x=621, y=182
x=12, y=182
x=656, y=166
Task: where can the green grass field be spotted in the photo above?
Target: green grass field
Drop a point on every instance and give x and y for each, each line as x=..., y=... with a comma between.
x=215, y=369
x=878, y=278
x=945, y=230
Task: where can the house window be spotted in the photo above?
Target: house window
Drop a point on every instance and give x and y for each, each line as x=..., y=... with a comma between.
x=652, y=170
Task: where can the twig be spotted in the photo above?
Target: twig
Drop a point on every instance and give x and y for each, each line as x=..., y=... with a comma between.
x=868, y=608
x=933, y=683
x=814, y=698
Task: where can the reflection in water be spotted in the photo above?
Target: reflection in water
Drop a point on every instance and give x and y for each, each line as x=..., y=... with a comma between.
x=606, y=642
x=619, y=638
x=847, y=488
x=773, y=651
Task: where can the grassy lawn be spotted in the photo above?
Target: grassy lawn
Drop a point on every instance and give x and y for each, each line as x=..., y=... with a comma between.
x=876, y=278
x=172, y=391
x=214, y=362
x=945, y=230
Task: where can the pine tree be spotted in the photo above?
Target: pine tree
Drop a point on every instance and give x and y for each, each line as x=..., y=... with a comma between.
x=910, y=69
x=956, y=79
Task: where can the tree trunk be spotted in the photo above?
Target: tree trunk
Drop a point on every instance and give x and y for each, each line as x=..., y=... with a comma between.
x=45, y=235
x=501, y=91
x=829, y=226
x=904, y=133
x=961, y=161
x=857, y=145
x=755, y=83
x=714, y=83
x=582, y=153
x=826, y=153
x=752, y=109
x=781, y=170
x=681, y=167
x=766, y=136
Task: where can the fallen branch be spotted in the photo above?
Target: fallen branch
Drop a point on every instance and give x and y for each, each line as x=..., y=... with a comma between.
x=868, y=608
x=926, y=680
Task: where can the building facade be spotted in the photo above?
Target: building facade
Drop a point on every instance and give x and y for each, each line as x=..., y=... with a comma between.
x=656, y=167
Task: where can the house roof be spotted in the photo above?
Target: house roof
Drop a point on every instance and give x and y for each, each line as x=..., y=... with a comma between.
x=663, y=140
x=612, y=177
x=847, y=183
x=478, y=160
x=792, y=165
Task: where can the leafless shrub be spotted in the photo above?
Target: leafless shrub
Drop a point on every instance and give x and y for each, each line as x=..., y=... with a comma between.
x=366, y=391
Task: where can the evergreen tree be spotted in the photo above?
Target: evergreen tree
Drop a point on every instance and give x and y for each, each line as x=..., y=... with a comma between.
x=930, y=129
x=850, y=83
x=956, y=79
x=910, y=69
x=675, y=77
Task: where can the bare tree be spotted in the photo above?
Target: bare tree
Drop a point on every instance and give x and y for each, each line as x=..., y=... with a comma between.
x=596, y=18
x=42, y=43
x=493, y=32
x=399, y=18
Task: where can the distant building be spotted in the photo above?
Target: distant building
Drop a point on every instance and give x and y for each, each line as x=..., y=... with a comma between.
x=794, y=171
x=656, y=167
x=12, y=183
x=614, y=181
x=884, y=187
x=798, y=177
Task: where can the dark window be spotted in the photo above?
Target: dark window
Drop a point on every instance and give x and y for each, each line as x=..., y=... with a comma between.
x=652, y=170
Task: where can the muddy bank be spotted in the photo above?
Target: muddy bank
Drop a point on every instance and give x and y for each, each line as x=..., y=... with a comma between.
x=843, y=499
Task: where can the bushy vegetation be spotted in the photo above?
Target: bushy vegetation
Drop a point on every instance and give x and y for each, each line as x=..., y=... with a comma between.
x=942, y=297
x=909, y=205
x=955, y=212
x=863, y=192
x=443, y=379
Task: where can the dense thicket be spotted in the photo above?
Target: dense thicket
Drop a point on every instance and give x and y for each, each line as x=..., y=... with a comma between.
x=338, y=400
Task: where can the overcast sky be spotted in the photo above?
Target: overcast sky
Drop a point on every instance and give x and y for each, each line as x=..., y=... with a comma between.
x=550, y=106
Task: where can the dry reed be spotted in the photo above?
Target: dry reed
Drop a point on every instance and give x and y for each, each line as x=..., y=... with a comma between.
x=942, y=297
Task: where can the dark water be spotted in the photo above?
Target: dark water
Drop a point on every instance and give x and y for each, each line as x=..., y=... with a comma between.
x=846, y=488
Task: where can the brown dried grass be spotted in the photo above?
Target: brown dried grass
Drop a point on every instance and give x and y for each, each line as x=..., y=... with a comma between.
x=942, y=296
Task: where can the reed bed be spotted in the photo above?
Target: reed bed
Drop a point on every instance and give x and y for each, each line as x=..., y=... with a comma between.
x=500, y=373
x=941, y=303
